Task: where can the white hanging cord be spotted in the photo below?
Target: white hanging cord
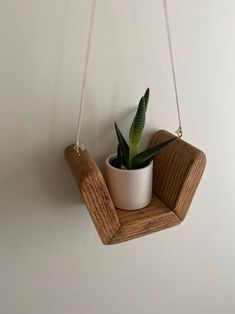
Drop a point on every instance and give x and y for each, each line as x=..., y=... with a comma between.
x=179, y=131
x=88, y=50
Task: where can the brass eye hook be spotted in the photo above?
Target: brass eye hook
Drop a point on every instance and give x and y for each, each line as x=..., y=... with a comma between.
x=179, y=132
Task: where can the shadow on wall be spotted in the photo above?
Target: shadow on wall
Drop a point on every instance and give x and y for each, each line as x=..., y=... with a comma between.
x=55, y=177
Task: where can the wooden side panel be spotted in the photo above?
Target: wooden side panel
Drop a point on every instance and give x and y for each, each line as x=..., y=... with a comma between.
x=177, y=173
x=94, y=192
x=156, y=216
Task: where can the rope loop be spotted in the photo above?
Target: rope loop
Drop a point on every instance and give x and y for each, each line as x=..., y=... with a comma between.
x=84, y=80
x=80, y=147
x=179, y=131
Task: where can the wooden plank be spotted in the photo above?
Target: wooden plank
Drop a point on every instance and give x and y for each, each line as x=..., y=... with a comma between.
x=177, y=172
x=94, y=192
x=156, y=216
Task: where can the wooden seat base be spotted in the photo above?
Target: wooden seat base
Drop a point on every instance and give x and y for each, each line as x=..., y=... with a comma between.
x=177, y=172
x=136, y=223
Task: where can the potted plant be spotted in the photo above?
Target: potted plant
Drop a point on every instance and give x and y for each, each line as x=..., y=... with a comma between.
x=130, y=172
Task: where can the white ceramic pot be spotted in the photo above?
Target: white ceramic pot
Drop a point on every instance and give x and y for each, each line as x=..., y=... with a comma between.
x=129, y=189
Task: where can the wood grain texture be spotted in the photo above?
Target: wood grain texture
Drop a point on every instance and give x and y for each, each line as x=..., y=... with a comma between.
x=94, y=192
x=177, y=172
x=155, y=217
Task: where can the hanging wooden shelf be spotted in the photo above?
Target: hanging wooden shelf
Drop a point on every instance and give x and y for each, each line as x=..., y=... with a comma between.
x=177, y=172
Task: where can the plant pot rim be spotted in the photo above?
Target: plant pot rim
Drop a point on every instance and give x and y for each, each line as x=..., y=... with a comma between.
x=124, y=170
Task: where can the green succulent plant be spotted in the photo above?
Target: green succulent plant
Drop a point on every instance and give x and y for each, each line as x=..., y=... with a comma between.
x=128, y=156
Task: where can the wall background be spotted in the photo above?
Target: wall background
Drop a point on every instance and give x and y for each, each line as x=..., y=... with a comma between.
x=51, y=259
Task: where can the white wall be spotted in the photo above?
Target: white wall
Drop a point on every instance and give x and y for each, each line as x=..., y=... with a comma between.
x=51, y=259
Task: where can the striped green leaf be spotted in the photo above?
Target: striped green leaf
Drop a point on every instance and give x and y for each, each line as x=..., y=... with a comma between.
x=123, y=148
x=144, y=158
x=146, y=98
x=137, y=128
